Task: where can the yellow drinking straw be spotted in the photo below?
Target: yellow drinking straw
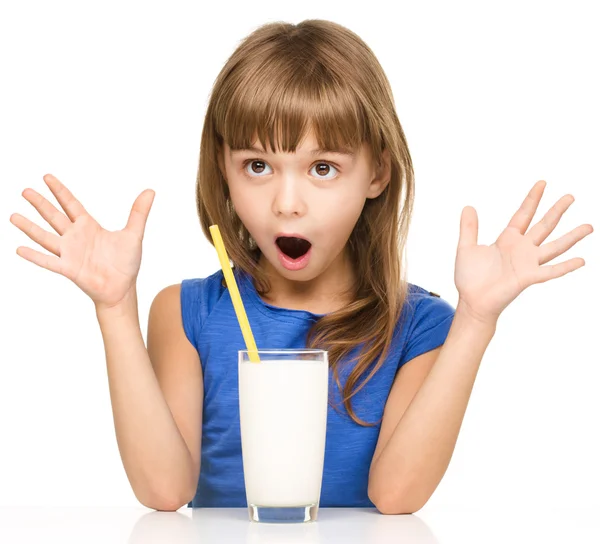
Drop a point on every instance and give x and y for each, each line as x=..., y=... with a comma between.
x=235, y=294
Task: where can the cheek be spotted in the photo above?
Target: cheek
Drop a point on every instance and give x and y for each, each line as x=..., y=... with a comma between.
x=338, y=221
x=343, y=210
x=249, y=209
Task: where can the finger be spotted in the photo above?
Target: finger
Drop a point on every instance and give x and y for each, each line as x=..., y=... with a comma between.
x=551, y=271
x=46, y=239
x=56, y=219
x=468, y=227
x=541, y=230
x=523, y=216
x=73, y=208
x=139, y=212
x=49, y=262
x=553, y=249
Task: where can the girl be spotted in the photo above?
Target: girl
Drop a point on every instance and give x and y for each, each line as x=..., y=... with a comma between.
x=305, y=168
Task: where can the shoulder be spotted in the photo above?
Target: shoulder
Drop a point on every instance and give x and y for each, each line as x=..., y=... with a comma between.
x=198, y=297
x=195, y=285
x=165, y=315
x=202, y=292
x=420, y=301
x=427, y=317
x=165, y=312
x=167, y=296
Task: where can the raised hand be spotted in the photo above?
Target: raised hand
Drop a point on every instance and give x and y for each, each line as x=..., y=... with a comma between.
x=103, y=264
x=489, y=278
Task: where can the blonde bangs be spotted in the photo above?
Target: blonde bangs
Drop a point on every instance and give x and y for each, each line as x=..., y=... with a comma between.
x=279, y=103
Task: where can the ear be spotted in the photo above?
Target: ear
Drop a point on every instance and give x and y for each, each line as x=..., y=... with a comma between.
x=381, y=177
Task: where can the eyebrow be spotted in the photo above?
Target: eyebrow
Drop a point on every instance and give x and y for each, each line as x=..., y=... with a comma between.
x=317, y=151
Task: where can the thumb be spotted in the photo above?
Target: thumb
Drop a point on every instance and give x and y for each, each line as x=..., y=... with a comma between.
x=139, y=212
x=468, y=227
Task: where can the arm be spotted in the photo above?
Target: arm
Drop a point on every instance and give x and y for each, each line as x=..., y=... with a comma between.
x=160, y=466
x=488, y=278
x=411, y=464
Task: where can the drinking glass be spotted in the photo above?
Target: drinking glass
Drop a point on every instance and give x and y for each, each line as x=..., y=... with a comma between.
x=283, y=422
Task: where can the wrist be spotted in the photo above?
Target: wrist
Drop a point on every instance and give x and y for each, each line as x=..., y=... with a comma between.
x=126, y=307
x=467, y=314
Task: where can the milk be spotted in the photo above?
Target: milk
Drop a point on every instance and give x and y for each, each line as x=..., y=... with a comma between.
x=283, y=420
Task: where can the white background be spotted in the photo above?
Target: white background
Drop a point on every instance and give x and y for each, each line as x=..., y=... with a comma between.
x=110, y=98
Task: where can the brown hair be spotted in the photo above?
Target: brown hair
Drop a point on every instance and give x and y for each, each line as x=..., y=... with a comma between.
x=282, y=80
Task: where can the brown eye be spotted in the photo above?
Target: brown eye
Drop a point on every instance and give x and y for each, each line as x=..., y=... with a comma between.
x=256, y=166
x=324, y=168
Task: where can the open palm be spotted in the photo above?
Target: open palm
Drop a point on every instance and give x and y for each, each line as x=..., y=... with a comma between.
x=102, y=263
x=489, y=278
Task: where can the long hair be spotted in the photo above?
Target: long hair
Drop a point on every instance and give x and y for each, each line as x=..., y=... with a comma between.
x=281, y=80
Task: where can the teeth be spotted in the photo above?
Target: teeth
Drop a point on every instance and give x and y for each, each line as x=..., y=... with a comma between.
x=293, y=247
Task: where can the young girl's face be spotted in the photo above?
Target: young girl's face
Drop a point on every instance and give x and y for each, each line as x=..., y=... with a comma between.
x=310, y=194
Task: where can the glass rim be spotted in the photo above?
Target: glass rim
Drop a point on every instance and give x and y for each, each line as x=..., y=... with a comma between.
x=283, y=350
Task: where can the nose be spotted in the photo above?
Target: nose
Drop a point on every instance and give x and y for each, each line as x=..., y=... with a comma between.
x=289, y=197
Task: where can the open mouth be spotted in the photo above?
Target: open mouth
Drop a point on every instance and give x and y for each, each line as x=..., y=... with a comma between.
x=292, y=246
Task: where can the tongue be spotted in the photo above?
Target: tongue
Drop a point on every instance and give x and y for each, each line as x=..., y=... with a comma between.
x=293, y=247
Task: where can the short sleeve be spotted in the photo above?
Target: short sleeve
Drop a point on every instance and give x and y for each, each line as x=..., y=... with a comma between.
x=198, y=298
x=429, y=325
x=191, y=309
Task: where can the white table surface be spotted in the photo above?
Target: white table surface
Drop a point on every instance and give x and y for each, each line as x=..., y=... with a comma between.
x=139, y=525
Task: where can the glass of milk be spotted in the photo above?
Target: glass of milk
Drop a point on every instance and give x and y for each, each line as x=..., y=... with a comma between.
x=283, y=421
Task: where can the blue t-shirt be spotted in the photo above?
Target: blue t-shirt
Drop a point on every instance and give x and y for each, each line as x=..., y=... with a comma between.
x=211, y=325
